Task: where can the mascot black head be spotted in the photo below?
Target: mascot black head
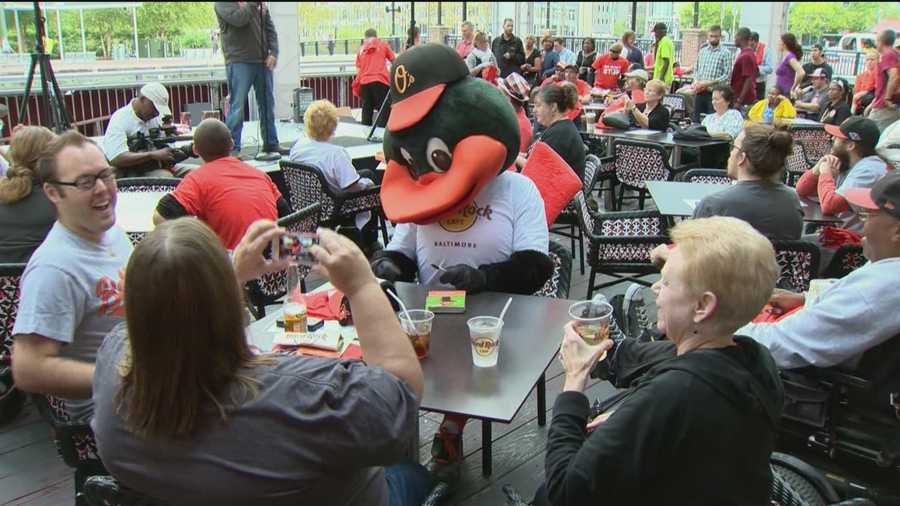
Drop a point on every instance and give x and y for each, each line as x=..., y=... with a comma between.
x=448, y=136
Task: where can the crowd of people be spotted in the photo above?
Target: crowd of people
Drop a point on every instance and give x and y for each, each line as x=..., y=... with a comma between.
x=171, y=387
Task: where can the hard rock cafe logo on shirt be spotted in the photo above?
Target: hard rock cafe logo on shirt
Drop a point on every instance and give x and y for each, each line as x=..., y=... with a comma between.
x=112, y=295
x=466, y=217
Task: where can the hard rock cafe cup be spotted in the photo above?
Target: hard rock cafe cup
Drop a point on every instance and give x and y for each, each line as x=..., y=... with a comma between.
x=484, y=333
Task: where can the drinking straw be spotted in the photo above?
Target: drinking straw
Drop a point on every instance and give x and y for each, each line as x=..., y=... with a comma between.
x=502, y=313
x=402, y=305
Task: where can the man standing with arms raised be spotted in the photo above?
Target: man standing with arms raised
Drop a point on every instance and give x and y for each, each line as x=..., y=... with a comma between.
x=508, y=50
x=250, y=46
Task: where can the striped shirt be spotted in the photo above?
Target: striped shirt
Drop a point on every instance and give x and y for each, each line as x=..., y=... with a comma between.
x=713, y=64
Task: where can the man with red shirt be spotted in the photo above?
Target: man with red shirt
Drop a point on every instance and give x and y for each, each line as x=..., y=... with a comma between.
x=557, y=77
x=372, y=61
x=583, y=88
x=884, y=110
x=467, y=30
x=745, y=70
x=226, y=193
x=609, y=68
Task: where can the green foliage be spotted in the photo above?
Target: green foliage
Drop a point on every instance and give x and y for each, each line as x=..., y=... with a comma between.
x=814, y=19
x=711, y=13
x=195, y=39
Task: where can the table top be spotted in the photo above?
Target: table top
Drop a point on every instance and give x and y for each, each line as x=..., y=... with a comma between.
x=663, y=138
x=674, y=198
x=528, y=343
x=134, y=210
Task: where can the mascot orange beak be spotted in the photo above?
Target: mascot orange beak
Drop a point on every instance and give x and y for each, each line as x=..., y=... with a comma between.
x=434, y=196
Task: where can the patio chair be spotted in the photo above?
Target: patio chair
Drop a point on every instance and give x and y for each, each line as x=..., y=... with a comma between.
x=677, y=108
x=815, y=139
x=796, y=163
x=707, y=176
x=11, y=398
x=307, y=186
x=606, y=176
x=145, y=185
x=847, y=259
x=799, y=262
x=560, y=281
x=637, y=162
x=104, y=490
x=619, y=243
x=270, y=287
x=566, y=223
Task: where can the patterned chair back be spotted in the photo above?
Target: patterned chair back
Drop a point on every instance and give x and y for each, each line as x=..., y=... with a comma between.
x=796, y=163
x=629, y=237
x=676, y=105
x=147, y=184
x=595, y=144
x=708, y=176
x=638, y=162
x=560, y=281
x=74, y=441
x=592, y=166
x=847, y=259
x=816, y=140
x=10, y=280
x=799, y=263
x=308, y=187
x=273, y=285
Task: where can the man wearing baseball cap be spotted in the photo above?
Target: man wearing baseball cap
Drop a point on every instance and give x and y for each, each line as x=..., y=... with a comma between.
x=853, y=163
x=814, y=99
x=858, y=311
x=143, y=113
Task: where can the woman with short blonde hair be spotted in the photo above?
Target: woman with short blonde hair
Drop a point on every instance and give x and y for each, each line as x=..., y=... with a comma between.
x=652, y=114
x=26, y=215
x=703, y=396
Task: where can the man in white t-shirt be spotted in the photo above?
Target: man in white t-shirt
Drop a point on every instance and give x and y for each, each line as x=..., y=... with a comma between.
x=142, y=114
x=73, y=286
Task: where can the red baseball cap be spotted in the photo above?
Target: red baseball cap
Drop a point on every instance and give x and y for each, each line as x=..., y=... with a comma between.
x=418, y=78
x=884, y=195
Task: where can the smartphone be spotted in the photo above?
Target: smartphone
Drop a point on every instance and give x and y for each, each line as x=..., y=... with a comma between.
x=295, y=246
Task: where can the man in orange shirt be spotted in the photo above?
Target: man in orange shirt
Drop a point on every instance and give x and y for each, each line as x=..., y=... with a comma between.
x=583, y=88
x=372, y=61
x=609, y=68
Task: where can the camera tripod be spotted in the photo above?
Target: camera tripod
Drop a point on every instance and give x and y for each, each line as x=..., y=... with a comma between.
x=52, y=107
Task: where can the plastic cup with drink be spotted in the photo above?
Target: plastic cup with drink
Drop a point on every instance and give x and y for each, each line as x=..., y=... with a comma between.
x=417, y=325
x=484, y=333
x=591, y=320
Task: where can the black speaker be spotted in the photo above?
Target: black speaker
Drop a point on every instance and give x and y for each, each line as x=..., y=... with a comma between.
x=302, y=98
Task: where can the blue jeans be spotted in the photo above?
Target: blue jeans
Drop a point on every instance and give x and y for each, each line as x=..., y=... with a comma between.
x=241, y=76
x=408, y=484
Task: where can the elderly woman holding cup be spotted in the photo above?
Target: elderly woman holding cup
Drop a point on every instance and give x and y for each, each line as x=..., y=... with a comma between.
x=699, y=414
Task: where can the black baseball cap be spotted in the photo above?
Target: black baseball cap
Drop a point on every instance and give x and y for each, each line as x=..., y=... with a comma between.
x=884, y=195
x=418, y=78
x=857, y=129
x=660, y=27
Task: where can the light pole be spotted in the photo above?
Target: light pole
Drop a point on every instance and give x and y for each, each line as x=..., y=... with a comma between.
x=393, y=11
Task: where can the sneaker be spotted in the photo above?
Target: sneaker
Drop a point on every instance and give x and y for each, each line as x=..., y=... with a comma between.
x=634, y=310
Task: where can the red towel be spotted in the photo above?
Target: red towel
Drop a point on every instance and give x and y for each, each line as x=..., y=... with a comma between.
x=324, y=305
x=834, y=237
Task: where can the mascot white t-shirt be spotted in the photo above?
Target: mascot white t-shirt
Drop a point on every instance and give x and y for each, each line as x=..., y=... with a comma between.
x=507, y=216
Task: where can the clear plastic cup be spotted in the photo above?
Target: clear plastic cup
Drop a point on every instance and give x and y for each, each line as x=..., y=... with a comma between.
x=418, y=329
x=484, y=333
x=592, y=320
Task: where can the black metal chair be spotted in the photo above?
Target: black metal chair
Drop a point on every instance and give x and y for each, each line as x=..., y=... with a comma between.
x=619, y=243
x=145, y=185
x=271, y=287
x=11, y=399
x=606, y=176
x=307, y=186
x=637, y=162
x=816, y=141
x=566, y=223
x=676, y=105
x=847, y=259
x=560, y=281
x=796, y=163
x=104, y=490
x=799, y=262
x=707, y=176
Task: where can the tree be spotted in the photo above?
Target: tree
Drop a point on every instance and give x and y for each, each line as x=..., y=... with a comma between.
x=711, y=13
x=811, y=20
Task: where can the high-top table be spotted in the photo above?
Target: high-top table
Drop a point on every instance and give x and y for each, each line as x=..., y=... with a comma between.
x=529, y=341
x=665, y=139
x=674, y=198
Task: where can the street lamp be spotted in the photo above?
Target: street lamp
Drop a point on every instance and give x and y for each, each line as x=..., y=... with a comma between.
x=393, y=11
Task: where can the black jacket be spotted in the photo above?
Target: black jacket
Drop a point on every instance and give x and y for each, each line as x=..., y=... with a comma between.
x=693, y=429
x=516, y=50
x=246, y=36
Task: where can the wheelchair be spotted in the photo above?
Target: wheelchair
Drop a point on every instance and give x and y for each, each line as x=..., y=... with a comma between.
x=848, y=425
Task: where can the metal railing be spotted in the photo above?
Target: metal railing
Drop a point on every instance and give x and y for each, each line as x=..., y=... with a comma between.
x=342, y=46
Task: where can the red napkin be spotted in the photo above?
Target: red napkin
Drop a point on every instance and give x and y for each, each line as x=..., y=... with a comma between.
x=324, y=305
x=834, y=237
x=555, y=180
x=490, y=74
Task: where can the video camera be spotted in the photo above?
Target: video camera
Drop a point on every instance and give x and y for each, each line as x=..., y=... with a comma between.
x=159, y=138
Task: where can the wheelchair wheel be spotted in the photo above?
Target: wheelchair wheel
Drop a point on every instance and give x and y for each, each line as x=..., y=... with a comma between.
x=805, y=493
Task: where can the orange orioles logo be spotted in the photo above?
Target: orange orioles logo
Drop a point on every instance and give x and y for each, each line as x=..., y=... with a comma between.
x=112, y=295
x=403, y=79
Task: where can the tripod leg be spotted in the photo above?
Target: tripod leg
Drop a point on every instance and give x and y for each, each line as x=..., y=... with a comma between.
x=28, y=82
x=45, y=111
x=60, y=104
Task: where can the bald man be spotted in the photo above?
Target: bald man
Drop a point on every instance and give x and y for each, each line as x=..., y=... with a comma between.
x=225, y=192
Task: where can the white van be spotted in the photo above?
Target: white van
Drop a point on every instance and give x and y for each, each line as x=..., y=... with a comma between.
x=855, y=42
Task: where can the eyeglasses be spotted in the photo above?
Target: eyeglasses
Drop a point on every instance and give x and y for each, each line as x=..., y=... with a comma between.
x=866, y=214
x=87, y=182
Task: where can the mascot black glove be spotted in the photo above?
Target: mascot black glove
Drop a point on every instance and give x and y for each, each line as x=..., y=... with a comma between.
x=465, y=277
x=384, y=268
x=393, y=266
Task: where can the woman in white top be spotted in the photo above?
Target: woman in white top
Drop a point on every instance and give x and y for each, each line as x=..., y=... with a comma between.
x=724, y=123
x=481, y=57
